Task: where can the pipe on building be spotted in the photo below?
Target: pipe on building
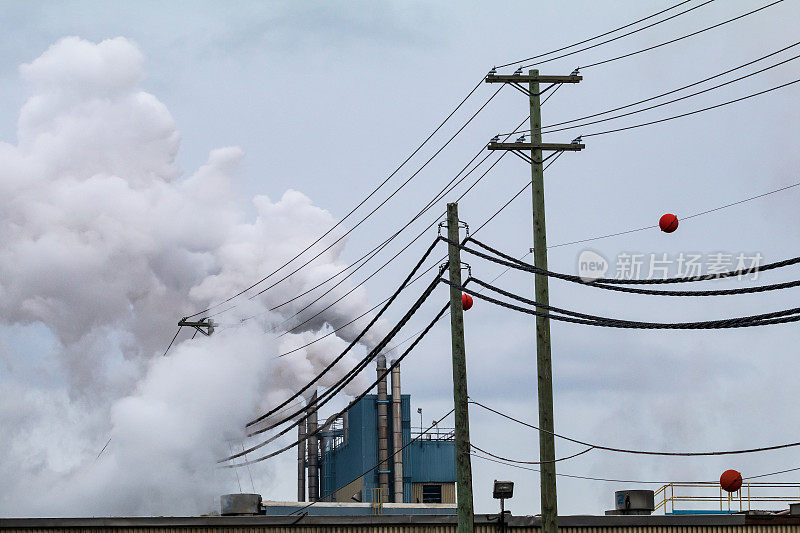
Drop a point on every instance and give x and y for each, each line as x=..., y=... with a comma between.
x=313, y=449
x=383, y=431
x=301, y=460
x=397, y=434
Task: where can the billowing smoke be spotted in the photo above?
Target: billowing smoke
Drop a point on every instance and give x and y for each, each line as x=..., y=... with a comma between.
x=104, y=244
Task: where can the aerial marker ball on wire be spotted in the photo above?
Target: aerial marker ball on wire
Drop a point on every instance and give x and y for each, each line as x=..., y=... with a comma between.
x=730, y=480
x=668, y=223
x=466, y=301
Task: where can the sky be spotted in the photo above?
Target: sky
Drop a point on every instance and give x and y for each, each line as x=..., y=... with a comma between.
x=188, y=147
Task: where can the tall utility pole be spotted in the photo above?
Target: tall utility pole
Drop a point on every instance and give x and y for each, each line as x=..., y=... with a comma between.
x=543, y=365
x=460, y=398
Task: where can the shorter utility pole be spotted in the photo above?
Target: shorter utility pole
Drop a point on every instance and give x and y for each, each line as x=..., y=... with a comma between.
x=460, y=398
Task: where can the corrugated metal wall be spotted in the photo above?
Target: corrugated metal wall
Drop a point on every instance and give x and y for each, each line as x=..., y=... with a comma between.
x=409, y=528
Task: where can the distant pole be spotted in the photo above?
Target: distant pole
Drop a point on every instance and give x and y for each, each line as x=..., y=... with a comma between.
x=547, y=451
x=460, y=398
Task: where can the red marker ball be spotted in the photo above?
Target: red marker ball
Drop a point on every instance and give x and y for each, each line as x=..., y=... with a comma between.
x=668, y=223
x=730, y=480
x=466, y=301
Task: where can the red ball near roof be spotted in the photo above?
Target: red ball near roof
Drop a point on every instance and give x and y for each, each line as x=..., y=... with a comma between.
x=466, y=301
x=730, y=480
x=668, y=223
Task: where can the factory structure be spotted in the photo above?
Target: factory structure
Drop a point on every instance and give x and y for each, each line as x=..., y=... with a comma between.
x=338, y=464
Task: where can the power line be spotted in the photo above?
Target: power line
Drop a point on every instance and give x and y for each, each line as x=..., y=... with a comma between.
x=446, y=190
x=596, y=36
x=340, y=385
x=639, y=452
x=363, y=201
x=395, y=256
x=669, y=92
x=619, y=36
x=648, y=108
x=345, y=234
x=682, y=37
x=611, y=480
x=654, y=226
x=532, y=462
x=338, y=358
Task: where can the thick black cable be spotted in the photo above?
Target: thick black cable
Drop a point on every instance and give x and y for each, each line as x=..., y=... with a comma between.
x=619, y=36
x=717, y=292
x=521, y=265
x=596, y=36
x=353, y=402
x=682, y=37
x=638, y=452
x=775, y=317
x=696, y=111
x=335, y=389
x=380, y=185
x=354, y=341
x=435, y=423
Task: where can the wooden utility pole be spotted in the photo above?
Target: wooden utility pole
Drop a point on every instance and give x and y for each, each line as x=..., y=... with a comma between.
x=543, y=363
x=460, y=398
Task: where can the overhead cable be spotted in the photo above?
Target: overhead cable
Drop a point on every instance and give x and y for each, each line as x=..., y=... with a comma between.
x=353, y=342
x=696, y=111
x=618, y=37
x=639, y=452
x=698, y=32
x=353, y=402
x=596, y=36
x=265, y=278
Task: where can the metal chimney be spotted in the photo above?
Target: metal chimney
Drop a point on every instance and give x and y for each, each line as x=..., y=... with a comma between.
x=313, y=448
x=301, y=460
x=383, y=431
x=397, y=434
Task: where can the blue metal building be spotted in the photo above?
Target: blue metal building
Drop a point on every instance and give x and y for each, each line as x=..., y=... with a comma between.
x=350, y=448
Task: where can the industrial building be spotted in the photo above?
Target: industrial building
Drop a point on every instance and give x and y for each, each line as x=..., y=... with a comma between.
x=352, y=458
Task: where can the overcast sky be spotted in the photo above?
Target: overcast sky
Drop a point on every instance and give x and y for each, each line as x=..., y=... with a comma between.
x=328, y=98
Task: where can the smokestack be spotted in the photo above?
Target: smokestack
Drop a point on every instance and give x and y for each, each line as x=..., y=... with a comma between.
x=383, y=431
x=397, y=434
x=301, y=461
x=313, y=449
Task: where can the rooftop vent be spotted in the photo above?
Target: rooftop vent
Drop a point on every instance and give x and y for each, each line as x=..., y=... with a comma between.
x=627, y=502
x=240, y=504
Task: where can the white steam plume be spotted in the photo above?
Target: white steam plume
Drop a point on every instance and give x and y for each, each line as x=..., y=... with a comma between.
x=103, y=245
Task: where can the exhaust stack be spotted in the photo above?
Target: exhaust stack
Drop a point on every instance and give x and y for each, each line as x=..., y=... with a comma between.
x=313, y=450
x=383, y=430
x=301, y=460
x=397, y=434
